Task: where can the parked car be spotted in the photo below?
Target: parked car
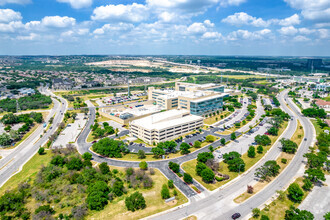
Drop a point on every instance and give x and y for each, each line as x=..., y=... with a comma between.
x=236, y=215
x=190, y=144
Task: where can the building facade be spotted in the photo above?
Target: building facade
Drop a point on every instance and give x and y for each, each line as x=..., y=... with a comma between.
x=165, y=126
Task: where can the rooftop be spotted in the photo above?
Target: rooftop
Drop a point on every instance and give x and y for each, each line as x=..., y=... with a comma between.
x=165, y=119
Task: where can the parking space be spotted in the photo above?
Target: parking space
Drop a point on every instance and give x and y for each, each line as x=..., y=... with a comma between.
x=71, y=132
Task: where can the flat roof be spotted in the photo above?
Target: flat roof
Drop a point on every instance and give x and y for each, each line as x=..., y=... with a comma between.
x=165, y=119
x=210, y=97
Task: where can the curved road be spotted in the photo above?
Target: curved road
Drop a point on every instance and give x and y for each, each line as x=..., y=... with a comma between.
x=24, y=151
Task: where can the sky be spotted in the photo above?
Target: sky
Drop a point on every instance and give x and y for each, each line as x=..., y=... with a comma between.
x=165, y=27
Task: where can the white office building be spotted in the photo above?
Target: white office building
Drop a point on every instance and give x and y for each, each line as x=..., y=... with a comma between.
x=165, y=126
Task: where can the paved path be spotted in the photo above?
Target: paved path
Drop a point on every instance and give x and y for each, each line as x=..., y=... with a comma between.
x=23, y=152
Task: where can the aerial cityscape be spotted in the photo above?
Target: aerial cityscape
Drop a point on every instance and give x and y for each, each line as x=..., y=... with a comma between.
x=165, y=109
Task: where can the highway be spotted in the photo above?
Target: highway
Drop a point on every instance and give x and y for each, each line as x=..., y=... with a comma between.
x=219, y=205
x=24, y=151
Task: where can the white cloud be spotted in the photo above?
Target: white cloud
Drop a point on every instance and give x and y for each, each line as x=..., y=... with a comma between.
x=306, y=31
x=77, y=4
x=58, y=22
x=113, y=28
x=312, y=9
x=30, y=37
x=290, y=30
x=211, y=35
x=8, y=15
x=197, y=28
x=208, y=23
x=231, y=2
x=324, y=33
x=242, y=18
x=20, y=2
x=188, y=6
x=300, y=38
x=11, y=27
x=247, y=35
x=293, y=20
x=125, y=13
x=167, y=16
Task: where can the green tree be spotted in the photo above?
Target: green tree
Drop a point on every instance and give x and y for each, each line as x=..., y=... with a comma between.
x=256, y=212
x=104, y=168
x=264, y=217
x=5, y=139
x=251, y=152
x=41, y=151
x=157, y=151
x=315, y=174
x=210, y=138
x=327, y=216
x=260, y=149
x=135, y=202
x=207, y=175
x=165, y=192
x=197, y=144
x=184, y=147
x=143, y=165
x=295, y=213
x=174, y=167
x=269, y=169
x=87, y=156
x=141, y=154
x=233, y=136
x=223, y=141
x=200, y=167
x=295, y=193
x=308, y=185
x=74, y=163
x=187, y=178
x=170, y=184
x=263, y=140
x=203, y=157
x=96, y=201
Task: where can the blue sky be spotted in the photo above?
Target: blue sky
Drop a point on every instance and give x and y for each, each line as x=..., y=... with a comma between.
x=192, y=27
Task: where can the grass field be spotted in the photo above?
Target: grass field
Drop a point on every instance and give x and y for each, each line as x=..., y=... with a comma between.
x=242, y=77
x=155, y=204
x=29, y=171
x=189, y=167
x=276, y=209
x=297, y=138
x=213, y=119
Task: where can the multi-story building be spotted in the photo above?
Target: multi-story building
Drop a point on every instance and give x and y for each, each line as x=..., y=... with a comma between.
x=197, y=99
x=165, y=126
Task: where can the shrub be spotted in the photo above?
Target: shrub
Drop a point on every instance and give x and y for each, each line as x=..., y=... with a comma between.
x=256, y=212
x=249, y=189
x=174, y=167
x=187, y=178
x=260, y=149
x=170, y=184
x=219, y=179
x=207, y=175
x=308, y=185
x=44, y=208
x=143, y=165
x=165, y=193
x=41, y=151
x=197, y=144
x=210, y=138
x=251, y=152
x=141, y=154
x=264, y=217
x=135, y=202
x=283, y=160
x=295, y=193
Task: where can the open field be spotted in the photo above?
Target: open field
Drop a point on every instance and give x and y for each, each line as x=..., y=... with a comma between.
x=155, y=204
x=241, y=77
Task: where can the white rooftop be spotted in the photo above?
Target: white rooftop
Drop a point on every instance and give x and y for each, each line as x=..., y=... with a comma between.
x=166, y=119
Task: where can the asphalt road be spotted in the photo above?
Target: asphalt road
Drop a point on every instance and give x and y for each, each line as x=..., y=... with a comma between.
x=22, y=153
x=219, y=205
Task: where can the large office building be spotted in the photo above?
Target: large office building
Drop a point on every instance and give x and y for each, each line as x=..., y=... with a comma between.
x=197, y=99
x=165, y=126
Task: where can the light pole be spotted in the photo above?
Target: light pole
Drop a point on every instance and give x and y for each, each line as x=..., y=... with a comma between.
x=239, y=168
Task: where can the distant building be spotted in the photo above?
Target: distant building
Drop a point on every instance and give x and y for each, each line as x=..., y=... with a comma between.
x=61, y=84
x=197, y=99
x=165, y=126
x=323, y=87
x=322, y=104
x=26, y=91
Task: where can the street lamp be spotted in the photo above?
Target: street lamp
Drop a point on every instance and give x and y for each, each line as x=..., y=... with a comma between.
x=239, y=168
